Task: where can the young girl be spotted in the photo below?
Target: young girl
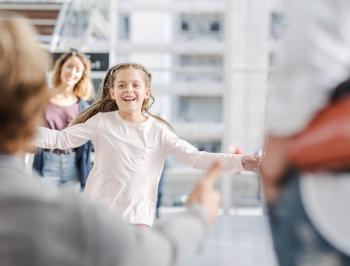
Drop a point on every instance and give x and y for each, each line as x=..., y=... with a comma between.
x=70, y=81
x=131, y=145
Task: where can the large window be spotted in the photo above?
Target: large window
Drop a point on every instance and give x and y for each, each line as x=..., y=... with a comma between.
x=200, y=26
x=124, y=27
x=197, y=68
x=199, y=109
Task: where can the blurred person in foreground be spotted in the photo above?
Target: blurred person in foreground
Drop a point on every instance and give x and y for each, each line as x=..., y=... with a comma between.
x=308, y=212
x=38, y=227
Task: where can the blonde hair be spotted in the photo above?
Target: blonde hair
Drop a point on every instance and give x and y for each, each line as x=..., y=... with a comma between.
x=81, y=89
x=105, y=103
x=23, y=85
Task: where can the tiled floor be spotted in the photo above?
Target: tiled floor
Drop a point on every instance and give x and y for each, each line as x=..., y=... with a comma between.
x=237, y=240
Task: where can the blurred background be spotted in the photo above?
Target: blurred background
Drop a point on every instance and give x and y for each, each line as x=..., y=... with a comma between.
x=210, y=61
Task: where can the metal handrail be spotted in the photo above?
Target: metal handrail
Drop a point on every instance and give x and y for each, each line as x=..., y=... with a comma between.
x=59, y=25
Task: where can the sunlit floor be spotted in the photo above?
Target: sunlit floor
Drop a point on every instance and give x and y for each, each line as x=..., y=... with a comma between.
x=240, y=239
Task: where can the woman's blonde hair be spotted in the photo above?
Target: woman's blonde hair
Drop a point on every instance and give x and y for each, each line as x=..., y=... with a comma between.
x=105, y=103
x=81, y=89
x=23, y=85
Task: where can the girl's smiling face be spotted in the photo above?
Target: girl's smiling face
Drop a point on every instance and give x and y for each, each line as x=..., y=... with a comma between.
x=130, y=90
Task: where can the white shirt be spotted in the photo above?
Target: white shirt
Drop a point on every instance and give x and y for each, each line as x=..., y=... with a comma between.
x=129, y=159
x=313, y=57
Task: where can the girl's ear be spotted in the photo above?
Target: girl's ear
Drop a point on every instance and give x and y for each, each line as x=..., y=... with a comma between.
x=111, y=93
x=148, y=93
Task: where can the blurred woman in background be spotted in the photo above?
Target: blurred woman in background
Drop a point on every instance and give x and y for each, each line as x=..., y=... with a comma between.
x=71, y=85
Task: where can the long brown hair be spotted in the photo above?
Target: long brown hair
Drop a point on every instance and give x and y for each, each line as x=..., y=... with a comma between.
x=81, y=89
x=105, y=103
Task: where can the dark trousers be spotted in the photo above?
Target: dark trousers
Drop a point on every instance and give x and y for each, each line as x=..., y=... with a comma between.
x=296, y=240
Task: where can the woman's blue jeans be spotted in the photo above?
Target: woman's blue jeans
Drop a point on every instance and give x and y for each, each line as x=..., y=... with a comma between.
x=60, y=169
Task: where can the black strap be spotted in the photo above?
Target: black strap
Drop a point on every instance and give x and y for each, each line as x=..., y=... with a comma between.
x=340, y=91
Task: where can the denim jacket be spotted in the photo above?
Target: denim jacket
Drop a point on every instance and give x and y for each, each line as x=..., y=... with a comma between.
x=83, y=161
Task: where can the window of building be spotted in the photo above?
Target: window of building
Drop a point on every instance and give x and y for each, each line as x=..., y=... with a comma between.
x=200, y=26
x=199, y=68
x=124, y=26
x=199, y=109
x=215, y=26
x=184, y=26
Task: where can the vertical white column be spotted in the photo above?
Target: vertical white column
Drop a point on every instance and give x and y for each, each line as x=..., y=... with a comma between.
x=256, y=74
x=154, y=28
x=113, y=32
x=226, y=184
x=246, y=62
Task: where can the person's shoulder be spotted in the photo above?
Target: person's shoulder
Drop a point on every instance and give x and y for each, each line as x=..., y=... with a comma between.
x=26, y=189
x=162, y=132
x=64, y=214
x=158, y=125
x=64, y=202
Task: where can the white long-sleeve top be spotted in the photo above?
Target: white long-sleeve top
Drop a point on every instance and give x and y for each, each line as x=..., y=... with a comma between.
x=129, y=159
x=313, y=57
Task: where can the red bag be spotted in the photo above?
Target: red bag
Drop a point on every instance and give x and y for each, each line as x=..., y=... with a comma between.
x=325, y=143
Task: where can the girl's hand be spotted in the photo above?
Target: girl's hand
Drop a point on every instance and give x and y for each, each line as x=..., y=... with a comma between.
x=250, y=162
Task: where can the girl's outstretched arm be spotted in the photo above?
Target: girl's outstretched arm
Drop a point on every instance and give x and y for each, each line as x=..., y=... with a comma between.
x=70, y=137
x=188, y=154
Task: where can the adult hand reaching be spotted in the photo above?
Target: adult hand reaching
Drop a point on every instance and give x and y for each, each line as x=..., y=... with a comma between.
x=273, y=165
x=204, y=193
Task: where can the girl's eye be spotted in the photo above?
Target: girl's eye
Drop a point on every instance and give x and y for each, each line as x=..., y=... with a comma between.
x=120, y=86
x=136, y=85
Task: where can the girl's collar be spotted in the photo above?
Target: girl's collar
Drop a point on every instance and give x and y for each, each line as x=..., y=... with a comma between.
x=133, y=124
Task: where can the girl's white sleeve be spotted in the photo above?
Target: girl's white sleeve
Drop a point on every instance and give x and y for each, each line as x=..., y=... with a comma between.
x=70, y=137
x=188, y=154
